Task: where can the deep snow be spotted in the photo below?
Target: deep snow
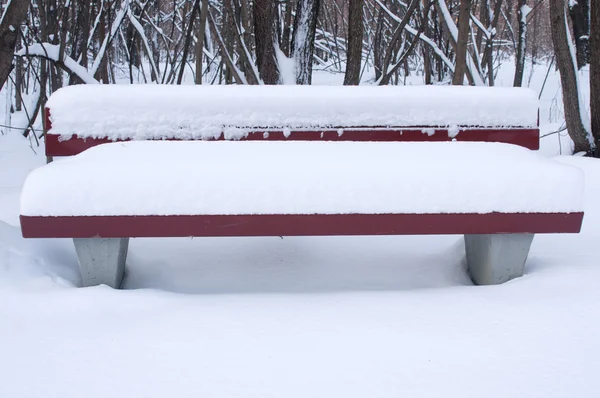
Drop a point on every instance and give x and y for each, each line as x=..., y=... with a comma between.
x=298, y=317
x=276, y=177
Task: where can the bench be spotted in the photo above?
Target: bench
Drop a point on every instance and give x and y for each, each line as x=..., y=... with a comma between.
x=497, y=195
x=79, y=117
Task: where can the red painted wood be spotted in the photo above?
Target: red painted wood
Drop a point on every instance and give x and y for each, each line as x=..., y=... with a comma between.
x=48, y=122
x=298, y=225
x=528, y=138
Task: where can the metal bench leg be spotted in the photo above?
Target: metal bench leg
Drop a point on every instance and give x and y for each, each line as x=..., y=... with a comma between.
x=101, y=261
x=494, y=259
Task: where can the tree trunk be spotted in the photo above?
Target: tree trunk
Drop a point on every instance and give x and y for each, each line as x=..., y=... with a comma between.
x=522, y=11
x=303, y=42
x=14, y=16
x=188, y=41
x=378, y=49
x=576, y=123
x=81, y=18
x=354, y=43
x=200, y=41
x=580, y=17
x=287, y=28
x=265, y=35
x=595, y=73
x=462, y=43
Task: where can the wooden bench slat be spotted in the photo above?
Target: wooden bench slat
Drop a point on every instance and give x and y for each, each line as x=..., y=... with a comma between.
x=298, y=225
x=525, y=137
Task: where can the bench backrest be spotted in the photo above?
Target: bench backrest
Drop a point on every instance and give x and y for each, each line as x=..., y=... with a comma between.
x=79, y=117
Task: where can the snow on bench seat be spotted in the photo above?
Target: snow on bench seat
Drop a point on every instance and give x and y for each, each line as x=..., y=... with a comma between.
x=172, y=178
x=81, y=116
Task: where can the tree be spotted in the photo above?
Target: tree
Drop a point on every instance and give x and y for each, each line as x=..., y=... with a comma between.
x=577, y=122
x=595, y=73
x=265, y=35
x=10, y=26
x=200, y=41
x=580, y=19
x=462, y=43
x=303, y=42
x=355, y=43
x=522, y=12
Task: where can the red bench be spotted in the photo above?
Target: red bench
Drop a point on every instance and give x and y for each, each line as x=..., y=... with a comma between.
x=497, y=239
x=402, y=114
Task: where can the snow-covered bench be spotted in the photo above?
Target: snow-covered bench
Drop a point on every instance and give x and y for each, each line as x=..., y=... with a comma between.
x=497, y=195
x=79, y=117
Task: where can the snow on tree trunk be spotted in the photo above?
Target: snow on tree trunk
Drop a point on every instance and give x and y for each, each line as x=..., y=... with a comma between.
x=303, y=42
x=578, y=123
x=522, y=13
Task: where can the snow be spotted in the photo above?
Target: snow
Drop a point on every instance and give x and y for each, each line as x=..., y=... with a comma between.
x=155, y=111
x=52, y=52
x=322, y=316
x=525, y=10
x=297, y=317
x=277, y=177
x=4, y=11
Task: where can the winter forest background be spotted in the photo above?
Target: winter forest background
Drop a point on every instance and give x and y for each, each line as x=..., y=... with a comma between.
x=379, y=42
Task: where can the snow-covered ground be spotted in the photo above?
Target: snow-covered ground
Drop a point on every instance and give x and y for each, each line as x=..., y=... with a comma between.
x=297, y=317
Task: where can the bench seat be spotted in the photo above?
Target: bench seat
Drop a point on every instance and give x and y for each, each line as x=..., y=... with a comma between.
x=156, y=178
x=498, y=195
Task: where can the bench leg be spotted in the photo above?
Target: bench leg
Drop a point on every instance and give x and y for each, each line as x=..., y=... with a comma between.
x=101, y=261
x=495, y=259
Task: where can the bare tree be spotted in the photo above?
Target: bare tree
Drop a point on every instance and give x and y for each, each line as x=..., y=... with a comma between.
x=575, y=118
x=355, y=42
x=462, y=43
x=303, y=42
x=265, y=35
x=12, y=18
x=595, y=73
x=522, y=12
x=580, y=19
x=200, y=41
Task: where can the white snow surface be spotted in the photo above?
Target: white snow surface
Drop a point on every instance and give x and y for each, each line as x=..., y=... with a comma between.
x=299, y=317
x=196, y=112
x=244, y=177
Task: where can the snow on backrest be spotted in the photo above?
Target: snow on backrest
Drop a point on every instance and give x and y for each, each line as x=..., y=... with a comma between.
x=195, y=112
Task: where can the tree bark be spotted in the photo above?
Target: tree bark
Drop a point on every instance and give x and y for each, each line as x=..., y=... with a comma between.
x=580, y=17
x=200, y=41
x=595, y=73
x=81, y=18
x=568, y=77
x=14, y=16
x=287, y=29
x=355, y=42
x=462, y=43
x=265, y=35
x=303, y=42
x=521, y=43
x=188, y=40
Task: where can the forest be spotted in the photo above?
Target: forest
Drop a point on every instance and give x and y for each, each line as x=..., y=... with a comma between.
x=47, y=44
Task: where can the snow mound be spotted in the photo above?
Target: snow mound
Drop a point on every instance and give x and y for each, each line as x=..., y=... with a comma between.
x=201, y=177
x=201, y=112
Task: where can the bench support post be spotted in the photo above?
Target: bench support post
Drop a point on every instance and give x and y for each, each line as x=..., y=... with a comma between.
x=495, y=259
x=101, y=260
